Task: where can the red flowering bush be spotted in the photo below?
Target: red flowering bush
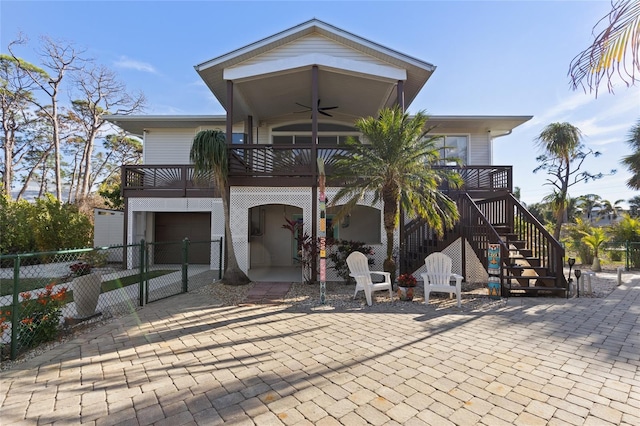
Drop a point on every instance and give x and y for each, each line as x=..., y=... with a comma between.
x=4, y=320
x=40, y=316
x=407, y=280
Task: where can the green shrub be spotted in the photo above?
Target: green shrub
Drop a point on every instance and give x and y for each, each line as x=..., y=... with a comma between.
x=615, y=255
x=16, y=232
x=339, y=250
x=45, y=225
x=575, y=233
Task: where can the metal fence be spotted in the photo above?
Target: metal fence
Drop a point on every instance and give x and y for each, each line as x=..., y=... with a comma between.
x=627, y=253
x=42, y=293
x=632, y=255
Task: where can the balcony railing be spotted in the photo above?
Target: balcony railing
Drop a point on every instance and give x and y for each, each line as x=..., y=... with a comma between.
x=274, y=165
x=166, y=181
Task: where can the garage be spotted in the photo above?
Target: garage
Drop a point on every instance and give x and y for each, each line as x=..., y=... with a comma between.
x=175, y=227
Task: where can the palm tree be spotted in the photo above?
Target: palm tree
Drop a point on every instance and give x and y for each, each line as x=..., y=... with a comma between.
x=209, y=155
x=594, y=239
x=588, y=202
x=634, y=205
x=561, y=143
x=610, y=210
x=615, y=49
x=632, y=161
x=395, y=165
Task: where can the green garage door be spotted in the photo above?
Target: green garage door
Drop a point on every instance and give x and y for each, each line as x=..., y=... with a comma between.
x=172, y=227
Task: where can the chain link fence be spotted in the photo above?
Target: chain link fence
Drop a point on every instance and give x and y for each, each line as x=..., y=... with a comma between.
x=625, y=253
x=41, y=294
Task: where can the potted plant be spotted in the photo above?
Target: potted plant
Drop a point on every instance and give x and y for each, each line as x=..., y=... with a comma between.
x=86, y=288
x=406, y=285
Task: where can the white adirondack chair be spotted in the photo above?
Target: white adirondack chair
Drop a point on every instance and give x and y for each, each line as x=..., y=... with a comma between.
x=359, y=270
x=438, y=277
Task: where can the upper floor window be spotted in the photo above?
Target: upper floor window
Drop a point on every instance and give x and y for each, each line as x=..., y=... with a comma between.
x=300, y=134
x=453, y=146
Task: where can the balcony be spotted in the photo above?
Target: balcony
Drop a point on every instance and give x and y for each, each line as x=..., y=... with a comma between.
x=166, y=181
x=279, y=166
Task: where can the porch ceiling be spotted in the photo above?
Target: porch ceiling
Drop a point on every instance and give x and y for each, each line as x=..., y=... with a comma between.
x=277, y=95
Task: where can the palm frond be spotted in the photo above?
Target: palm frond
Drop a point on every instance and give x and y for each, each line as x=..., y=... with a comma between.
x=614, y=50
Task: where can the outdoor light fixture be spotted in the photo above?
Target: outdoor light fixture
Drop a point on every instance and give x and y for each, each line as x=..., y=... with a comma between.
x=571, y=261
x=578, y=272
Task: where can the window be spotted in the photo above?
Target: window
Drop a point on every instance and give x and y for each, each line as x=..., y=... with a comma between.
x=300, y=133
x=238, y=138
x=453, y=146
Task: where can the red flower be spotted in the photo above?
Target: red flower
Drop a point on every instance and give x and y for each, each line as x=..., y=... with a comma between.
x=407, y=280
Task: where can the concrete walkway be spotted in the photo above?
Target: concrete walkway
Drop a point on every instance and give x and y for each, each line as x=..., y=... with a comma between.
x=267, y=293
x=181, y=361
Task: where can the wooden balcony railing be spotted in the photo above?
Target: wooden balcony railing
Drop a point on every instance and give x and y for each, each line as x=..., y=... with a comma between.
x=166, y=181
x=277, y=165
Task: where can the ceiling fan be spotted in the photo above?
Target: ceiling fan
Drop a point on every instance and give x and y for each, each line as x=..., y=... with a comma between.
x=321, y=110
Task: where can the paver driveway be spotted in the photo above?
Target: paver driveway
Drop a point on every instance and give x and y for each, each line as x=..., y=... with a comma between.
x=182, y=361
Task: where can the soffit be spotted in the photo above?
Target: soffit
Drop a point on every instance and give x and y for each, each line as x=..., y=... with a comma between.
x=497, y=125
x=137, y=124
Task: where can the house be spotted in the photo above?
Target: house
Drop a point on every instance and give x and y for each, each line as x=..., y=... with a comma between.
x=281, y=94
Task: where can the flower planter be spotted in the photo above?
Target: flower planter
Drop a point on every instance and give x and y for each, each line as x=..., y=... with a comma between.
x=86, y=290
x=405, y=293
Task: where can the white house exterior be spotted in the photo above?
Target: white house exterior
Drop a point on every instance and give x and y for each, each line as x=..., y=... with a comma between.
x=290, y=98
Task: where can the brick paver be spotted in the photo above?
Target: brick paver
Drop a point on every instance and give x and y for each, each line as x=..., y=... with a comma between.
x=182, y=361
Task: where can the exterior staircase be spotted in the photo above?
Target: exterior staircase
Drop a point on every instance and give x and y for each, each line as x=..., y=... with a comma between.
x=532, y=260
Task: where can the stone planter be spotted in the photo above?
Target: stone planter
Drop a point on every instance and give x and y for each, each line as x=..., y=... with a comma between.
x=405, y=293
x=86, y=290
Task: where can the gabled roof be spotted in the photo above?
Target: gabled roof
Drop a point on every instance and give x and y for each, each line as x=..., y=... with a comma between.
x=269, y=79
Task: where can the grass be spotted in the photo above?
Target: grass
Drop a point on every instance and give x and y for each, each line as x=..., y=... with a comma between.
x=28, y=284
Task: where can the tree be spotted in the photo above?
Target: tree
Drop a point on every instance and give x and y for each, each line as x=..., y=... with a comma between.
x=587, y=203
x=121, y=149
x=100, y=94
x=594, y=239
x=563, y=156
x=610, y=210
x=634, y=205
x=209, y=156
x=614, y=50
x=395, y=165
x=59, y=58
x=632, y=161
x=16, y=93
x=110, y=191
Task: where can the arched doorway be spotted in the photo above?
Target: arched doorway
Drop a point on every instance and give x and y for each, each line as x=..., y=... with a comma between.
x=272, y=248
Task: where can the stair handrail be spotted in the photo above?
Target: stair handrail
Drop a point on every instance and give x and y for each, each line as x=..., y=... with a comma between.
x=559, y=249
x=467, y=202
x=555, y=264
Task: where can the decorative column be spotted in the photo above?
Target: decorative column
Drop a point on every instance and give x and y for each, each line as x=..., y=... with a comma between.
x=314, y=155
x=323, y=232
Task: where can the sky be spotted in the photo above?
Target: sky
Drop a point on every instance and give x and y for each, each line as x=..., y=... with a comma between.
x=492, y=58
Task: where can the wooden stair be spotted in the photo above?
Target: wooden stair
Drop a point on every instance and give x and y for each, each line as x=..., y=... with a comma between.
x=532, y=260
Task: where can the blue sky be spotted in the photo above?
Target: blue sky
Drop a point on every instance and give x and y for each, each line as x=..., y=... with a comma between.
x=492, y=58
